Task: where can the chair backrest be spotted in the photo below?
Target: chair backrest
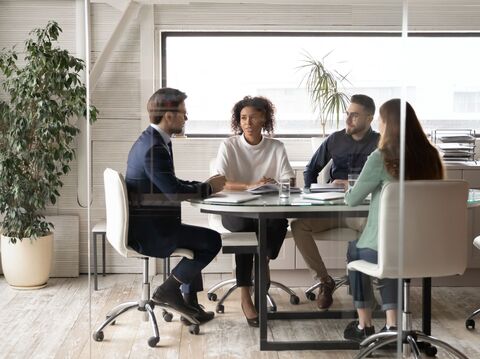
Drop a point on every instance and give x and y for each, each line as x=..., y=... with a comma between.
x=435, y=229
x=476, y=242
x=324, y=175
x=116, y=204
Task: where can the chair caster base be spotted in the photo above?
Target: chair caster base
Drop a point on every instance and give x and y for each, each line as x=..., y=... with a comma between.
x=98, y=336
x=167, y=316
x=194, y=329
x=153, y=341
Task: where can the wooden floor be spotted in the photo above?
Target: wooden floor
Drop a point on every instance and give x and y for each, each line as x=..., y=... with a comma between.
x=54, y=323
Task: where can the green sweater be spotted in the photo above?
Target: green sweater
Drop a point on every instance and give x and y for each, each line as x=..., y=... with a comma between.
x=371, y=180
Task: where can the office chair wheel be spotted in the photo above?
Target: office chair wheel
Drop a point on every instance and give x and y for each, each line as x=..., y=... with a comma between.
x=294, y=299
x=212, y=297
x=153, y=341
x=272, y=309
x=430, y=351
x=220, y=308
x=470, y=324
x=310, y=296
x=194, y=329
x=167, y=316
x=98, y=336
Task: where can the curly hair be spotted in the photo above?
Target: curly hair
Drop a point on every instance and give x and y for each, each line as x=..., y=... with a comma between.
x=261, y=104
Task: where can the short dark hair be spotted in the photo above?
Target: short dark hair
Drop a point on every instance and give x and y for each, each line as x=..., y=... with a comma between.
x=259, y=103
x=365, y=101
x=164, y=100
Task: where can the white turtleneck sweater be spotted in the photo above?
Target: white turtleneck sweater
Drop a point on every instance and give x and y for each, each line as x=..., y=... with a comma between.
x=242, y=162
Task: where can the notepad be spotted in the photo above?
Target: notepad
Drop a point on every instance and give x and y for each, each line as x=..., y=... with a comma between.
x=324, y=196
x=240, y=197
x=326, y=187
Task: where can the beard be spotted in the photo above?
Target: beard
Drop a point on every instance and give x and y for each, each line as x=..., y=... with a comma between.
x=178, y=130
x=354, y=130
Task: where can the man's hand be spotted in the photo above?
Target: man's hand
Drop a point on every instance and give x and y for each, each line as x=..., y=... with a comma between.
x=342, y=182
x=216, y=182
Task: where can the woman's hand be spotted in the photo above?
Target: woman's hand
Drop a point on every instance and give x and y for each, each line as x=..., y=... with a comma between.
x=262, y=181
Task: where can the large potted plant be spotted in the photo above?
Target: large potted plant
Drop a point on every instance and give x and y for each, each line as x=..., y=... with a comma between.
x=323, y=86
x=44, y=97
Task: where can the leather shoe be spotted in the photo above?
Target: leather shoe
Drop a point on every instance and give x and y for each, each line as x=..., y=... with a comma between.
x=172, y=298
x=253, y=322
x=202, y=316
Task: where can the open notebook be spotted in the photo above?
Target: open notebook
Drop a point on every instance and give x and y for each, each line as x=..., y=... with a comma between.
x=231, y=197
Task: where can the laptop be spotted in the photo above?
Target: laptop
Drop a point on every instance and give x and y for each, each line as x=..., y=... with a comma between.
x=240, y=197
x=324, y=196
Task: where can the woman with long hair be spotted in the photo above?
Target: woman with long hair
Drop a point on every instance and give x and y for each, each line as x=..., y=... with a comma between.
x=422, y=162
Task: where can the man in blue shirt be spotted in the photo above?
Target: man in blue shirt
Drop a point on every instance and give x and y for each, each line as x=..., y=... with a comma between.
x=348, y=149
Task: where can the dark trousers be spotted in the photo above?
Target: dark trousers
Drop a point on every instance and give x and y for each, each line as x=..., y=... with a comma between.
x=361, y=284
x=276, y=231
x=203, y=242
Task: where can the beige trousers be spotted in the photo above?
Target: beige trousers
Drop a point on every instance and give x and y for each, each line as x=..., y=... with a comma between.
x=303, y=231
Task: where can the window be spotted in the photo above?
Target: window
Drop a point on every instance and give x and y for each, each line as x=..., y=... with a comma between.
x=217, y=70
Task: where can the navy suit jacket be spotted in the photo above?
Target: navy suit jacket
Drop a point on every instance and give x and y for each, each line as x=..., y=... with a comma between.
x=155, y=194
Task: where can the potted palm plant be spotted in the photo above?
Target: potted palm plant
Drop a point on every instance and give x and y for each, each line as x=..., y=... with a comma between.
x=323, y=86
x=44, y=97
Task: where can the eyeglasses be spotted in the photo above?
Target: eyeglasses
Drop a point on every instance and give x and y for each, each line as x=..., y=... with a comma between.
x=353, y=115
x=184, y=113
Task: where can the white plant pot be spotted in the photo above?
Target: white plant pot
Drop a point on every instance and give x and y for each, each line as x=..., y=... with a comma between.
x=27, y=263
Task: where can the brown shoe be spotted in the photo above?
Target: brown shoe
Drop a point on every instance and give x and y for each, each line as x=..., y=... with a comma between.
x=325, y=291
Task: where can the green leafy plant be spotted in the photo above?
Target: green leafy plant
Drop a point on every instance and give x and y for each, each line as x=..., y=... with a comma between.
x=323, y=87
x=44, y=97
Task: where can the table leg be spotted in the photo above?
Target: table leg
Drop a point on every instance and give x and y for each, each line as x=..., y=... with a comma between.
x=103, y=254
x=427, y=306
x=262, y=280
x=94, y=252
x=256, y=288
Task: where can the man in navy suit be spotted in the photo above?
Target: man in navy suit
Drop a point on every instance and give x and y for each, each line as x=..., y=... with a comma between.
x=155, y=195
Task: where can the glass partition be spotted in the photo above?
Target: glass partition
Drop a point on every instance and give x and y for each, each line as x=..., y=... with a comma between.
x=217, y=53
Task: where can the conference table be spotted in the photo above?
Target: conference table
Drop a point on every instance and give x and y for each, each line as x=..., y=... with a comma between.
x=270, y=206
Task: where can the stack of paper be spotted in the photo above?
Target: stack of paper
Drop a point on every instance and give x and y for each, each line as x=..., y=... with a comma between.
x=229, y=197
x=456, y=150
x=269, y=188
x=324, y=196
x=326, y=187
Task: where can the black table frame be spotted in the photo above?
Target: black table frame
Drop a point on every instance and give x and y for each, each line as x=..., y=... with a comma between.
x=261, y=289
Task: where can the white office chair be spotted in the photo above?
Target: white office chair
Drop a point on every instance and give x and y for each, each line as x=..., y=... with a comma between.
x=116, y=201
x=470, y=323
x=237, y=243
x=433, y=245
x=334, y=234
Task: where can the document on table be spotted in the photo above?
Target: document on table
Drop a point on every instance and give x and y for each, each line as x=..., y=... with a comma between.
x=326, y=187
x=224, y=197
x=270, y=188
x=324, y=196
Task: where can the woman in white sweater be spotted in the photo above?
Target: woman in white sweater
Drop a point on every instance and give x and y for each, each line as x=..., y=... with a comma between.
x=246, y=160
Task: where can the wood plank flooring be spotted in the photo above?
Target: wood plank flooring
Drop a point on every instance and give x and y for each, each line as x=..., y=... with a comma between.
x=54, y=323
